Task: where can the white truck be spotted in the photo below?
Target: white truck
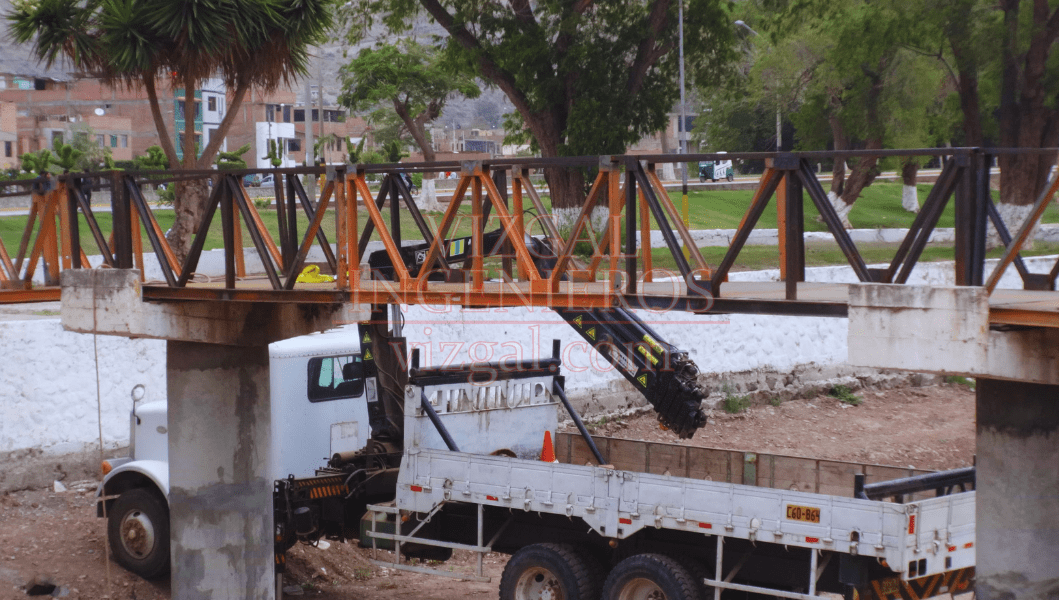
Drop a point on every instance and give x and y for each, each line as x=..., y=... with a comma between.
x=466, y=473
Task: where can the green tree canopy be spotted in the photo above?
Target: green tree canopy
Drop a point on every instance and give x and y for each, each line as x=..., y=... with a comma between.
x=585, y=77
x=260, y=43
x=414, y=80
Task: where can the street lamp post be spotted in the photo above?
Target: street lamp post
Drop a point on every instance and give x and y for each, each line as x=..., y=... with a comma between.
x=682, y=130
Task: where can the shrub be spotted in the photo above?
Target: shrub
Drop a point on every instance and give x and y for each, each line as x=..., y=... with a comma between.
x=844, y=394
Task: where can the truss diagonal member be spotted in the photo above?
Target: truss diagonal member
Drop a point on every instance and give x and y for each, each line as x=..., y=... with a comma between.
x=765, y=188
x=834, y=224
x=380, y=199
x=348, y=264
x=526, y=267
x=938, y=193
x=678, y=223
x=307, y=242
x=47, y=216
x=391, y=249
x=1005, y=236
x=8, y=272
x=563, y=259
x=930, y=220
x=191, y=261
x=93, y=226
x=663, y=225
x=546, y=219
x=1015, y=247
x=252, y=216
x=310, y=212
x=242, y=202
x=27, y=231
x=166, y=259
x=446, y=221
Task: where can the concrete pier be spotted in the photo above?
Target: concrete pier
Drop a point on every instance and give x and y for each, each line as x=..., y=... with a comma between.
x=219, y=425
x=220, y=488
x=1017, y=519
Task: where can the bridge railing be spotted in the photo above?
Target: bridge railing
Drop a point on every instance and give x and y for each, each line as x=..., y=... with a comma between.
x=348, y=213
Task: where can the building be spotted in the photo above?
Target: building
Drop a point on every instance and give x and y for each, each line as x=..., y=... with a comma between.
x=281, y=118
x=8, y=135
x=211, y=100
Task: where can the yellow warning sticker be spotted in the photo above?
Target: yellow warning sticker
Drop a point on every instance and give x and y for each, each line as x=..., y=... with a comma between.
x=367, y=355
x=650, y=357
x=654, y=343
x=591, y=332
x=577, y=320
x=643, y=380
x=367, y=338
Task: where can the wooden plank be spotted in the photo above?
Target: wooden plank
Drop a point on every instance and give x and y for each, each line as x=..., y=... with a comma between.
x=578, y=453
x=667, y=459
x=563, y=444
x=715, y=465
x=836, y=478
x=789, y=473
x=628, y=455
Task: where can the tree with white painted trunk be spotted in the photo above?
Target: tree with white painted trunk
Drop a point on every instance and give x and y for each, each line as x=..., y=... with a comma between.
x=1002, y=60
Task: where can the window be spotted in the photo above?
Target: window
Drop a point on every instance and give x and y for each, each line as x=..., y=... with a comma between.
x=286, y=114
x=270, y=113
x=113, y=141
x=8, y=149
x=326, y=381
x=56, y=139
x=124, y=141
x=299, y=115
x=211, y=103
x=3, y=82
x=294, y=145
x=316, y=115
x=180, y=109
x=99, y=140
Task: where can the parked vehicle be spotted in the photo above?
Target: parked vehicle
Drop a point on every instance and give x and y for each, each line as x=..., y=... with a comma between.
x=714, y=170
x=462, y=457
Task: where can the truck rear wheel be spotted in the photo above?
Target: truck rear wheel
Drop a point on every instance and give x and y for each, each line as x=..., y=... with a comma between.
x=651, y=577
x=550, y=572
x=138, y=530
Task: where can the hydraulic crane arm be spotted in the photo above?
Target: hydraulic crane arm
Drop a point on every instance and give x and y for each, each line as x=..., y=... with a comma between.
x=664, y=374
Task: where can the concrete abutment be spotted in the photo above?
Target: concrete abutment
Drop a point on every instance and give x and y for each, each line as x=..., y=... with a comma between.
x=947, y=331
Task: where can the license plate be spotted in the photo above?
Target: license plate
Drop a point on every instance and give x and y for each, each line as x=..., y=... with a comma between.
x=803, y=513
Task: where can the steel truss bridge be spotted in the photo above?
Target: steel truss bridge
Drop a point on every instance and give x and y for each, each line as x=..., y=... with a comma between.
x=619, y=271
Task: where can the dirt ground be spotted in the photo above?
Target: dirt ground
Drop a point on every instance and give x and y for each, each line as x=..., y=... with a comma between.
x=56, y=535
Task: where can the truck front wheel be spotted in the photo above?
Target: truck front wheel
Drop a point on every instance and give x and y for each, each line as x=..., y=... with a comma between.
x=651, y=576
x=550, y=571
x=138, y=530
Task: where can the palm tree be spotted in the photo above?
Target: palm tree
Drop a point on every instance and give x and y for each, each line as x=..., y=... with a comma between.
x=136, y=43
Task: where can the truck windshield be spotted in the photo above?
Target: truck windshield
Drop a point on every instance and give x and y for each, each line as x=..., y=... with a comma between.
x=326, y=381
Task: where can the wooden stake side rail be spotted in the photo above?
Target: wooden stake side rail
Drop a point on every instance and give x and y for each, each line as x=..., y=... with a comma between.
x=613, y=272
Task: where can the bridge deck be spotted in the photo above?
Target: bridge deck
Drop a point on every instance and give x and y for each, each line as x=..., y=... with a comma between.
x=1007, y=307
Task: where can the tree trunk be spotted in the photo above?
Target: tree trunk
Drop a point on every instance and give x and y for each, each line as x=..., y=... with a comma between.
x=909, y=193
x=189, y=206
x=861, y=175
x=567, y=189
x=1026, y=121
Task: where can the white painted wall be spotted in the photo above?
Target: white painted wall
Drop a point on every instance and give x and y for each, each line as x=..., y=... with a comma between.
x=48, y=386
x=47, y=380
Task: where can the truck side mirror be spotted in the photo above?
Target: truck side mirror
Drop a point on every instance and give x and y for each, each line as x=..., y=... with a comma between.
x=352, y=371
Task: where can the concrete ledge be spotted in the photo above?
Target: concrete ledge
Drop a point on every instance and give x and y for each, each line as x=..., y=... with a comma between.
x=109, y=302
x=944, y=330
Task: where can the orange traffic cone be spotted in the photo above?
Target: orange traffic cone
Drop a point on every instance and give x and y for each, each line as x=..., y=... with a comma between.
x=548, y=451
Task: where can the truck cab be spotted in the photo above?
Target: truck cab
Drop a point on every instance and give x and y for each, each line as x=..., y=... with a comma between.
x=316, y=413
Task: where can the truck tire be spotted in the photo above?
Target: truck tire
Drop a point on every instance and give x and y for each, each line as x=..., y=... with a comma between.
x=653, y=576
x=138, y=531
x=556, y=571
x=730, y=177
